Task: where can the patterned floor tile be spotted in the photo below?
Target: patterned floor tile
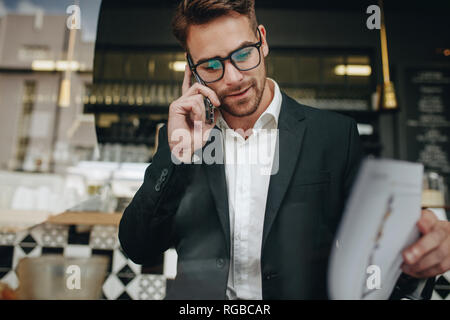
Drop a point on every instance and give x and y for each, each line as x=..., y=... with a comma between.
x=124, y=296
x=77, y=251
x=6, y=257
x=126, y=274
x=79, y=235
x=19, y=254
x=52, y=250
x=105, y=253
x=137, y=268
x=170, y=263
x=119, y=261
x=124, y=278
x=442, y=287
x=11, y=280
x=133, y=288
x=113, y=287
x=104, y=237
x=7, y=238
x=28, y=243
x=153, y=287
x=54, y=235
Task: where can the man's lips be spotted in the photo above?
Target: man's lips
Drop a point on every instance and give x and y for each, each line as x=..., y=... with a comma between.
x=238, y=94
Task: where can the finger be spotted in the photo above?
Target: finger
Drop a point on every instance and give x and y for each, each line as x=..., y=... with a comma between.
x=424, y=245
x=192, y=106
x=198, y=88
x=185, y=106
x=197, y=112
x=406, y=268
x=186, y=80
x=427, y=221
x=435, y=270
x=410, y=272
x=201, y=102
x=433, y=258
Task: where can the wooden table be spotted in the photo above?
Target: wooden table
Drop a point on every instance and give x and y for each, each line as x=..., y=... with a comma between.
x=86, y=218
x=18, y=220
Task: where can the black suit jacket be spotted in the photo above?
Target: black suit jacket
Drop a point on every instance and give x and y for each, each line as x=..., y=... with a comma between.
x=186, y=207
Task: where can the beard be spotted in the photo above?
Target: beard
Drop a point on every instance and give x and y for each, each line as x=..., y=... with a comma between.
x=245, y=106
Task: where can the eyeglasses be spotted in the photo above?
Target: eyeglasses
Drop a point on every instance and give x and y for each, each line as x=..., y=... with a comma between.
x=244, y=59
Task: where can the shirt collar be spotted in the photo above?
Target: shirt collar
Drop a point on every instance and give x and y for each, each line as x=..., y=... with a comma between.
x=271, y=113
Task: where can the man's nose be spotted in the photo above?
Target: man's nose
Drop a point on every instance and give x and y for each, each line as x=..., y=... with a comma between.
x=232, y=74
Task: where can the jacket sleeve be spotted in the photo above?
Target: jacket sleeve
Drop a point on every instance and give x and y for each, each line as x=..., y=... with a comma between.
x=354, y=159
x=146, y=229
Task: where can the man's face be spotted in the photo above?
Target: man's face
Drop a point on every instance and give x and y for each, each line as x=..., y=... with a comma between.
x=239, y=92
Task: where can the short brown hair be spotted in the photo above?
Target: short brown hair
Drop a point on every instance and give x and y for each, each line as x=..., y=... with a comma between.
x=197, y=12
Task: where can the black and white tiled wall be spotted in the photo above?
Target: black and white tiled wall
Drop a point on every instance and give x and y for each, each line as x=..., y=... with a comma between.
x=124, y=279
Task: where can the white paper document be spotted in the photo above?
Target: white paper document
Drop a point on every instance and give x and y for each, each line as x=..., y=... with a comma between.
x=379, y=222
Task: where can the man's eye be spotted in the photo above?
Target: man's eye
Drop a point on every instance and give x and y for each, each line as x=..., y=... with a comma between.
x=213, y=65
x=242, y=55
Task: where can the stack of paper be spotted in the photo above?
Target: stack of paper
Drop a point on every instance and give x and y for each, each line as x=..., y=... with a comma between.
x=379, y=222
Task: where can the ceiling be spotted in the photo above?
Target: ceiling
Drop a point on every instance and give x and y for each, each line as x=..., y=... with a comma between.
x=428, y=6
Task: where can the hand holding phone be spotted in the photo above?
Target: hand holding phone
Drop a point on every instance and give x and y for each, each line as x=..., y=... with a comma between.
x=209, y=107
x=187, y=114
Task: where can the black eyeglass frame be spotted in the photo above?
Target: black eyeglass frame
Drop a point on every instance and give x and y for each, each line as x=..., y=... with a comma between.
x=257, y=45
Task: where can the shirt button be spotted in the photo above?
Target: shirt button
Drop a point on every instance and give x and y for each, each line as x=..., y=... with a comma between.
x=220, y=263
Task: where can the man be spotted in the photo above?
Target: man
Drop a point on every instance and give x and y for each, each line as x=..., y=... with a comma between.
x=241, y=233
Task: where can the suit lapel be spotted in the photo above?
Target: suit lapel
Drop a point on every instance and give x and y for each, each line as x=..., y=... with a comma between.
x=291, y=132
x=217, y=184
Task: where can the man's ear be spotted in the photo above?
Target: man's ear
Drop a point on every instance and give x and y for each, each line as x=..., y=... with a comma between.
x=264, y=45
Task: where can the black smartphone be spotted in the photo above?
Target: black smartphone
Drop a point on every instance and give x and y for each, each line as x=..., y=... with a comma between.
x=209, y=107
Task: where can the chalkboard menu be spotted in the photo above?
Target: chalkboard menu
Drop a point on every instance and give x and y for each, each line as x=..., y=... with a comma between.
x=428, y=118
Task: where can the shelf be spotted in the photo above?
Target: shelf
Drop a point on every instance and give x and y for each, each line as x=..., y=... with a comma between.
x=103, y=108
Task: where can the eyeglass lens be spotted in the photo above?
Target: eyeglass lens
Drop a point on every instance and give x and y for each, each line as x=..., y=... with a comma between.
x=244, y=59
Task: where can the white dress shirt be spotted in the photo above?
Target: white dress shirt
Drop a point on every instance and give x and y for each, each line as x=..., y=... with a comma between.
x=248, y=163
